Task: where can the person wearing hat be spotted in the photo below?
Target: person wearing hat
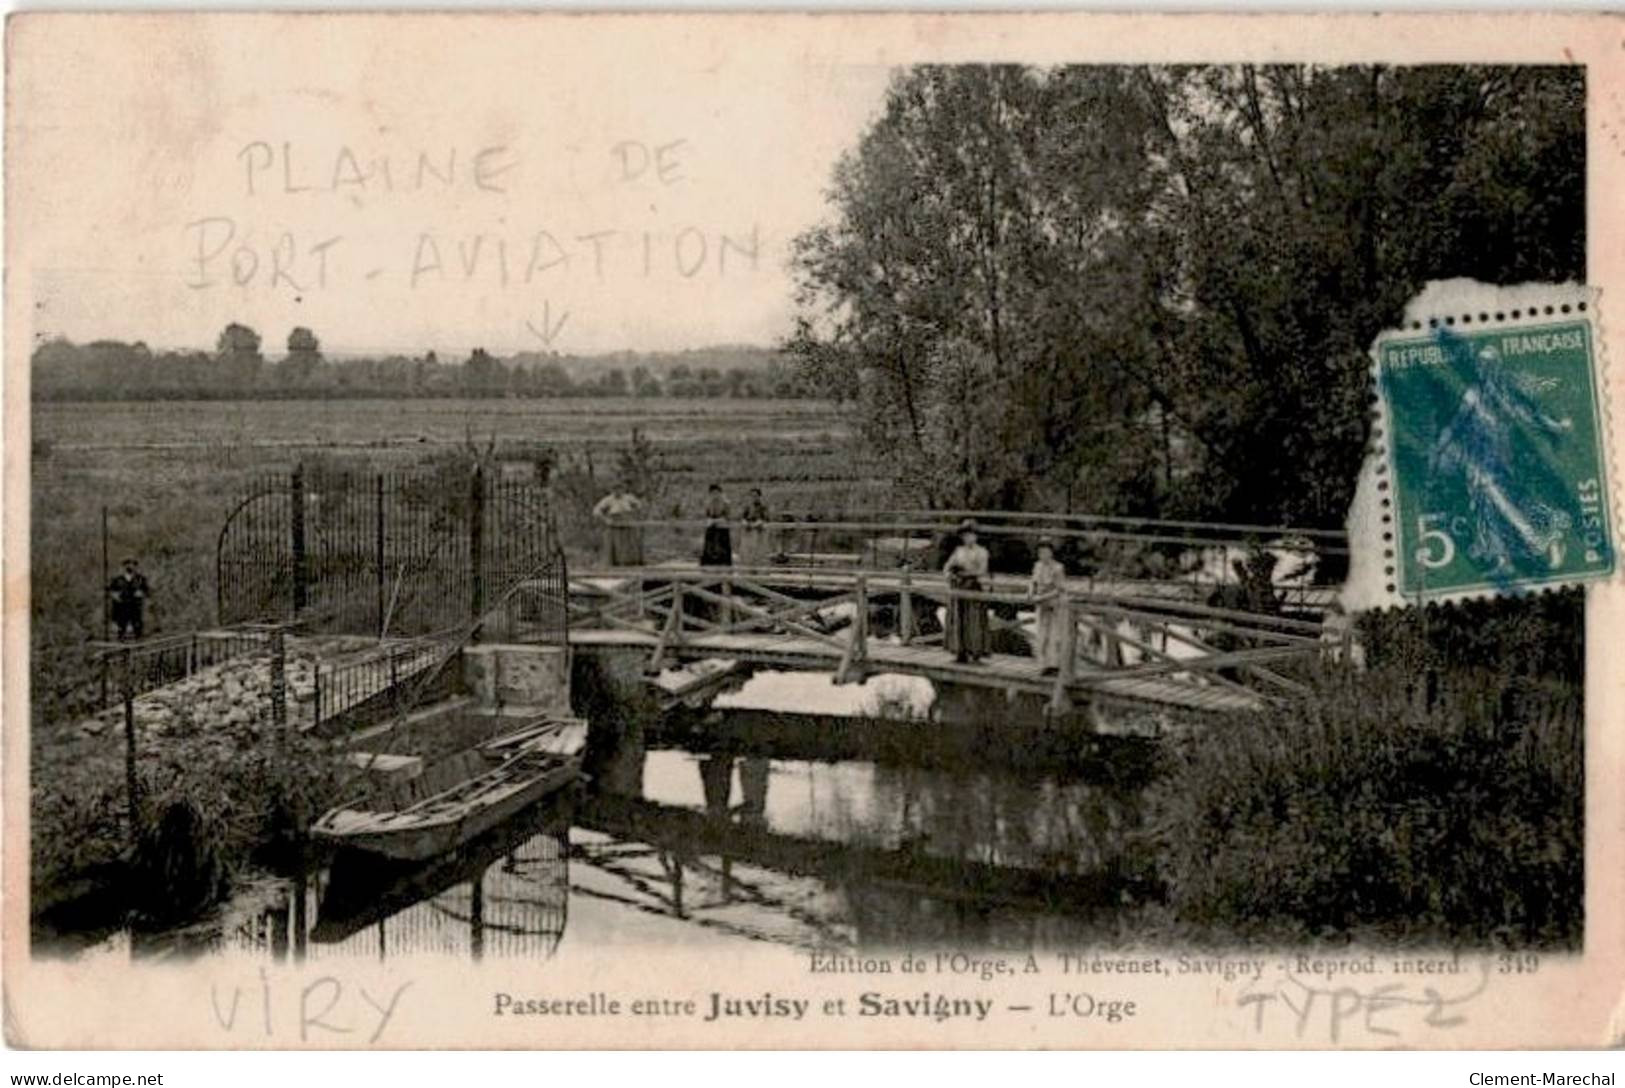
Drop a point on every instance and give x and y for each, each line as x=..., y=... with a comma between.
x=129, y=592
x=967, y=633
x=1048, y=582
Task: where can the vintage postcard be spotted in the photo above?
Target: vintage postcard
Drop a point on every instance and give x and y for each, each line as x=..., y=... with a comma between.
x=814, y=531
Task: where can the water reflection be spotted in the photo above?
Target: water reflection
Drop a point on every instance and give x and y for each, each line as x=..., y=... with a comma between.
x=691, y=844
x=503, y=894
x=855, y=853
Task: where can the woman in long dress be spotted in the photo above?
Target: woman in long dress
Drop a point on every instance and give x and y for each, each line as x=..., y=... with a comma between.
x=967, y=633
x=1048, y=582
x=623, y=540
x=718, y=549
x=753, y=550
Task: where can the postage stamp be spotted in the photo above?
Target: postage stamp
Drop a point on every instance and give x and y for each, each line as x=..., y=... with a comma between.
x=1488, y=471
x=1494, y=438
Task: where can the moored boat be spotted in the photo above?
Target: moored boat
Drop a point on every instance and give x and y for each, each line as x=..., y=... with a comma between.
x=461, y=797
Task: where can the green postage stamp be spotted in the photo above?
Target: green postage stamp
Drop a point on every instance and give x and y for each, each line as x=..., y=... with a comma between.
x=1493, y=477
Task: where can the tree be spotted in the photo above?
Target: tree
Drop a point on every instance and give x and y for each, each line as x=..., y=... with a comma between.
x=1152, y=290
x=484, y=375
x=237, y=361
x=237, y=342
x=304, y=358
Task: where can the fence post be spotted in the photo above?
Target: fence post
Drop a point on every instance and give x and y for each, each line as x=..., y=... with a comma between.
x=476, y=543
x=378, y=526
x=297, y=520
x=107, y=598
x=279, y=682
x=130, y=787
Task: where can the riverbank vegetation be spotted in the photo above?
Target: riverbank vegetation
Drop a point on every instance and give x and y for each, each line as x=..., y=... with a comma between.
x=1418, y=801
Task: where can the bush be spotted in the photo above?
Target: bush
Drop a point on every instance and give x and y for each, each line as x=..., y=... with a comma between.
x=208, y=810
x=1383, y=806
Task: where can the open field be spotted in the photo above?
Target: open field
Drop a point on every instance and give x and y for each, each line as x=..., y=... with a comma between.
x=400, y=426
x=169, y=472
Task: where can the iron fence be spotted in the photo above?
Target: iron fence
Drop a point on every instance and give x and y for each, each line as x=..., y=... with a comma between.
x=156, y=662
x=398, y=553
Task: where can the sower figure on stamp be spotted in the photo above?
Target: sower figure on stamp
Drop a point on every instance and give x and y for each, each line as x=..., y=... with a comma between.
x=967, y=634
x=1511, y=522
x=129, y=592
x=1047, y=583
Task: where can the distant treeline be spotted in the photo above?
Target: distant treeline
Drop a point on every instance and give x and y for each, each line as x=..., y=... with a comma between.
x=236, y=370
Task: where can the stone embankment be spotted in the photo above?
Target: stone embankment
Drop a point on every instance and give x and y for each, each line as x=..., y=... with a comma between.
x=235, y=696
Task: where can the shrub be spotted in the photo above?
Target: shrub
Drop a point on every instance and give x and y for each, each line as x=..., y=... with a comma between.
x=1383, y=805
x=208, y=809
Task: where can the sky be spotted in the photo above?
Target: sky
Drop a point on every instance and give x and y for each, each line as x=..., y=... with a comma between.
x=402, y=186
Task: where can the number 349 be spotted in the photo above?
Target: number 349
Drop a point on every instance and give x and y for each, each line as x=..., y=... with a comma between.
x=1436, y=549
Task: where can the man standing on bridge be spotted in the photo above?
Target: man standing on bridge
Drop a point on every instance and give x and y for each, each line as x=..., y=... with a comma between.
x=129, y=592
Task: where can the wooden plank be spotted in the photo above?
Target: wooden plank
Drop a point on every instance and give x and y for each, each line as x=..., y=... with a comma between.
x=999, y=671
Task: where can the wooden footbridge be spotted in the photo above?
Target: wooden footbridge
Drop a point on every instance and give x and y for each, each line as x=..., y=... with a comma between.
x=1173, y=614
x=1115, y=640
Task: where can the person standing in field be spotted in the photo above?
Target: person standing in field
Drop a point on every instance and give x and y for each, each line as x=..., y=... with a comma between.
x=623, y=540
x=753, y=549
x=1048, y=582
x=129, y=592
x=967, y=633
x=717, y=549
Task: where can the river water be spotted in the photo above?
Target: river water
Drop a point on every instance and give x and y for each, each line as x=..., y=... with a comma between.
x=740, y=825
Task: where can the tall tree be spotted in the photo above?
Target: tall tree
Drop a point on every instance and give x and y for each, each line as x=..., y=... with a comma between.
x=1153, y=289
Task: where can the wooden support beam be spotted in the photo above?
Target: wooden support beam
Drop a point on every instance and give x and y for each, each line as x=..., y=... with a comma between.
x=857, y=648
x=905, y=608
x=1238, y=659
x=763, y=617
x=1060, y=699
x=670, y=635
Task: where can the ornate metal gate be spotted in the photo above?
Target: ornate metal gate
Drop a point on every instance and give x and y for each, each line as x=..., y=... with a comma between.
x=397, y=553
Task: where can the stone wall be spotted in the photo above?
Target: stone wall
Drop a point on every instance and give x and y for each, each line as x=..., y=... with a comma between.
x=504, y=676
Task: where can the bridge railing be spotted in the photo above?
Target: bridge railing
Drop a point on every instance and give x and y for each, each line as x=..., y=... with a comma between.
x=1198, y=555
x=1106, y=633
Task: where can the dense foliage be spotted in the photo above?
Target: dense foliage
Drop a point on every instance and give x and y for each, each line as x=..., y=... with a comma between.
x=1152, y=290
x=1387, y=807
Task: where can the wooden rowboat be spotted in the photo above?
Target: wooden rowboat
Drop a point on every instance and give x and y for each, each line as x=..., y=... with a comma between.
x=461, y=797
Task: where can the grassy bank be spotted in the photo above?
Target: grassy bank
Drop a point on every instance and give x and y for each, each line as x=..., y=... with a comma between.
x=1384, y=807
